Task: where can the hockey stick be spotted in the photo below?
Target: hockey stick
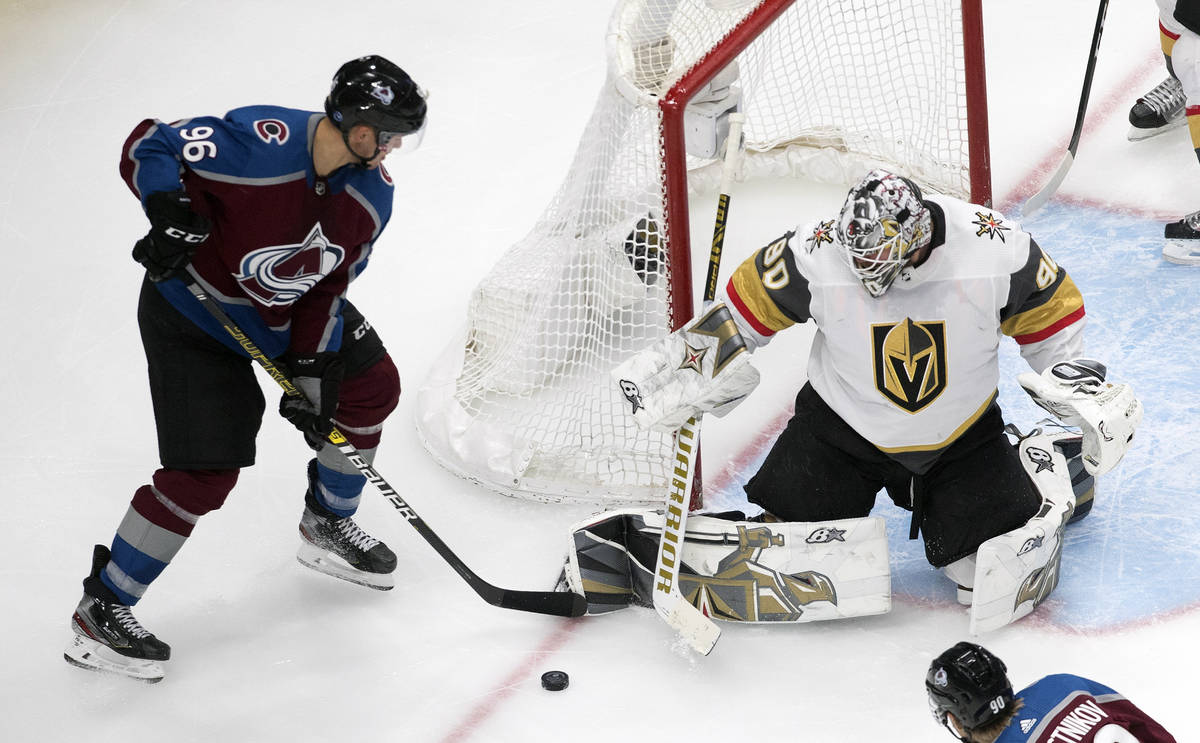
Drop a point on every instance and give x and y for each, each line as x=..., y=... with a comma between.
x=557, y=603
x=692, y=625
x=1039, y=199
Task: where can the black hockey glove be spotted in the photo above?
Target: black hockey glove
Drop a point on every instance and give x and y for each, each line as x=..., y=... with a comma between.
x=175, y=233
x=319, y=377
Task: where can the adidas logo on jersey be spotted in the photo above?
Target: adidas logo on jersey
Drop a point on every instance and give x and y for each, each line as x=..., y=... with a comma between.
x=1027, y=725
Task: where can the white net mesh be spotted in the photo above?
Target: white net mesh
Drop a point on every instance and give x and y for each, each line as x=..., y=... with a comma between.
x=524, y=403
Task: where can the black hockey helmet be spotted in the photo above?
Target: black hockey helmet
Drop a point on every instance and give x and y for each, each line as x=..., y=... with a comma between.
x=371, y=90
x=970, y=683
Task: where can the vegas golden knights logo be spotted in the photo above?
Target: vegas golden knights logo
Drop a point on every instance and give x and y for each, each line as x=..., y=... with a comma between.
x=910, y=362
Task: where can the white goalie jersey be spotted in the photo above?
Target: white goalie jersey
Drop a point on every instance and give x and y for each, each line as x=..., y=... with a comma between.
x=911, y=370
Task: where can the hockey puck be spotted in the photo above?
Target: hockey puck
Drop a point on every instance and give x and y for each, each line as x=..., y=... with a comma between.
x=555, y=680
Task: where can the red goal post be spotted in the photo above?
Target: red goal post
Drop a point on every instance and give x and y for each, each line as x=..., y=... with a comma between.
x=521, y=402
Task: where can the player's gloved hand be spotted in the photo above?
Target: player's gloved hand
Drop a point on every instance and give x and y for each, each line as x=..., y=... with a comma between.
x=1077, y=393
x=319, y=377
x=704, y=367
x=175, y=233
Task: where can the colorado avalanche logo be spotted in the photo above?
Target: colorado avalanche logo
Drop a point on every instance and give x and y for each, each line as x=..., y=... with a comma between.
x=271, y=130
x=281, y=274
x=383, y=93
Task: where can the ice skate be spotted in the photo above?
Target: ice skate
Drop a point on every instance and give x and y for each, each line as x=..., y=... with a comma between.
x=108, y=637
x=1160, y=110
x=1183, y=241
x=338, y=547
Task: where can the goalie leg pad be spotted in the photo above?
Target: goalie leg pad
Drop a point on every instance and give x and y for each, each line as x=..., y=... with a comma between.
x=1017, y=571
x=737, y=570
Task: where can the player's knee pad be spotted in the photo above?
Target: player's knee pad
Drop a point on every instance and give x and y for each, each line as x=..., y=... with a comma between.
x=366, y=400
x=178, y=498
x=737, y=570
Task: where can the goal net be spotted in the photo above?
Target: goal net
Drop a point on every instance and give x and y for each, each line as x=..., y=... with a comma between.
x=523, y=403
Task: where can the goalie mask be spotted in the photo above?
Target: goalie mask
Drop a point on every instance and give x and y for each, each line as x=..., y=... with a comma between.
x=882, y=224
x=970, y=683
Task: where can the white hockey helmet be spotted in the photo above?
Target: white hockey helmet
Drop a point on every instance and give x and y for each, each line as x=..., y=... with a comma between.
x=881, y=225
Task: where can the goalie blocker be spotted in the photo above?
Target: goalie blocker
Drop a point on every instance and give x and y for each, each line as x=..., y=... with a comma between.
x=703, y=367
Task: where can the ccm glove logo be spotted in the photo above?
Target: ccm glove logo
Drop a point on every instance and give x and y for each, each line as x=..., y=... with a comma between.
x=187, y=237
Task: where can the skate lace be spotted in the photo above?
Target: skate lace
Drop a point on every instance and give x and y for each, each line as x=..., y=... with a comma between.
x=1166, y=98
x=128, y=622
x=355, y=535
x=1193, y=220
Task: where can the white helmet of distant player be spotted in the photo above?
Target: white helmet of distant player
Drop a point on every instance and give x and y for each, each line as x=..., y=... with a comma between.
x=882, y=225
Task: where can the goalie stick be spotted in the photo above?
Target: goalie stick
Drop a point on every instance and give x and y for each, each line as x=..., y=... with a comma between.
x=1039, y=199
x=692, y=625
x=556, y=603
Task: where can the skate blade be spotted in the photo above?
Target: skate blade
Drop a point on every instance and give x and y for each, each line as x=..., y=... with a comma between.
x=323, y=561
x=94, y=656
x=1181, y=252
x=1136, y=135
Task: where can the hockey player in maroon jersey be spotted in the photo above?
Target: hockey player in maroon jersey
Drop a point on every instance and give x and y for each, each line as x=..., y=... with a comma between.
x=970, y=694
x=273, y=212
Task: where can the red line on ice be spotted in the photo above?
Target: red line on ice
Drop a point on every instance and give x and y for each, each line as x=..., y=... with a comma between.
x=1118, y=100
x=533, y=661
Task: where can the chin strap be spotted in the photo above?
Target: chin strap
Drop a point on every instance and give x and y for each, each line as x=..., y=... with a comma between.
x=363, y=162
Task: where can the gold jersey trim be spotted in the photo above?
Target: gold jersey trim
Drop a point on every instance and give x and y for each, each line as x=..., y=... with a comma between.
x=970, y=421
x=1066, y=300
x=754, y=296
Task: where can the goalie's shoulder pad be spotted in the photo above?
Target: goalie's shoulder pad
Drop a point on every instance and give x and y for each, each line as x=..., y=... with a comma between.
x=703, y=367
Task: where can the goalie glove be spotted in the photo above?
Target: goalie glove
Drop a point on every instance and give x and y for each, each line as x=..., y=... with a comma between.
x=1076, y=393
x=704, y=367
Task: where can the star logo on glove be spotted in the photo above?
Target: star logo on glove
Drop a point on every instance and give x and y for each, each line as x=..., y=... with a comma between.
x=693, y=358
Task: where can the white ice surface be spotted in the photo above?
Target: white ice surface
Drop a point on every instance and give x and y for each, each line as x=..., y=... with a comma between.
x=268, y=651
